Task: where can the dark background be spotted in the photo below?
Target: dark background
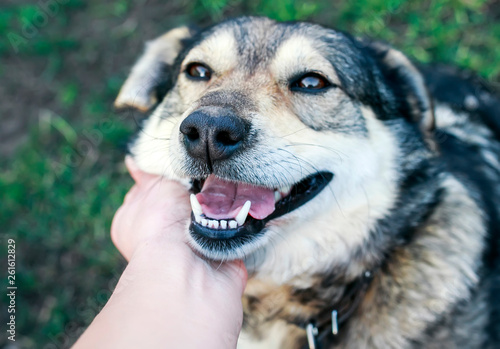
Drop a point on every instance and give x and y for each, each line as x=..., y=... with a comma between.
x=61, y=143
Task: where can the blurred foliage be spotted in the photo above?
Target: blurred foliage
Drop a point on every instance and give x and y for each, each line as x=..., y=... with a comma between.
x=465, y=33
x=58, y=198
x=60, y=190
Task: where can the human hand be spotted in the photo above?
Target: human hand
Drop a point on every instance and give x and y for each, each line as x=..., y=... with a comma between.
x=154, y=207
x=168, y=296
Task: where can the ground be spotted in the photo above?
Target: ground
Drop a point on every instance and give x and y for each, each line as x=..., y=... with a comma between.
x=61, y=143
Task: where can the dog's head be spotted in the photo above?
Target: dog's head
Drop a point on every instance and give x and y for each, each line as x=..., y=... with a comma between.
x=289, y=133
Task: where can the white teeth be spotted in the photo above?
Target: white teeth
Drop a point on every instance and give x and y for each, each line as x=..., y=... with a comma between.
x=277, y=196
x=242, y=215
x=286, y=189
x=216, y=224
x=195, y=205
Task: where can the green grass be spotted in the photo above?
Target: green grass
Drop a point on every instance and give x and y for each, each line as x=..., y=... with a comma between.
x=59, y=191
x=59, y=195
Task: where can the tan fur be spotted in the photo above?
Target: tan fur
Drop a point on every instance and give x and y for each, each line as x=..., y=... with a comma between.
x=136, y=92
x=302, y=263
x=436, y=270
x=396, y=59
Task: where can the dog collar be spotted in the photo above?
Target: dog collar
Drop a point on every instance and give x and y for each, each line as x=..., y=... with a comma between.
x=328, y=323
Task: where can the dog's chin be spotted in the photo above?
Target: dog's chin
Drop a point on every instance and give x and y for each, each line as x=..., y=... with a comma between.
x=226, y=241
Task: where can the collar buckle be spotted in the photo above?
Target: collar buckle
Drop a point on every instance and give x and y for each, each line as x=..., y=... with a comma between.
x=312, y=332
x=335, y=323
x=353, y=299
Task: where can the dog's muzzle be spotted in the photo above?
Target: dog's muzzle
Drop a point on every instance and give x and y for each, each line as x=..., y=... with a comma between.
x=227, y=214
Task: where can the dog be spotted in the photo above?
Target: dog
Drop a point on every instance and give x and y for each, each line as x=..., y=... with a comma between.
x=362, y=190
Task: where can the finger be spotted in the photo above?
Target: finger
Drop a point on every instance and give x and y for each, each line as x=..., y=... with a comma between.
x=115, y=227
x=132, y=193
x=241, y=272
x=132, y=168
x=119, y=238
x=235, y=272
x=139, y=176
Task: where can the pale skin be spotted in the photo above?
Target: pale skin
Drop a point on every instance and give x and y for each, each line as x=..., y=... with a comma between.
x=168, y=296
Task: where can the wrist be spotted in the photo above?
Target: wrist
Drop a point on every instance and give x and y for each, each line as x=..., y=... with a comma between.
x=190, y=303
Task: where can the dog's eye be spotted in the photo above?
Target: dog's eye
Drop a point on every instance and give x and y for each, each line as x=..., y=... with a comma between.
x=198, y=71
x=310, y=82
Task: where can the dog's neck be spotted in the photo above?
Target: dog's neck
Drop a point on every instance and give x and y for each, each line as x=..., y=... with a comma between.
x=300, y=307
x=307, y=298
x=325, y=326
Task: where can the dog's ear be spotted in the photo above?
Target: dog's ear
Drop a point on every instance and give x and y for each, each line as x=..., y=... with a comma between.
x=150, y=74
x=406, y=84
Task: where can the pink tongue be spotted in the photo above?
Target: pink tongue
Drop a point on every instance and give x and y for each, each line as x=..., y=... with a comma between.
x=221, y=199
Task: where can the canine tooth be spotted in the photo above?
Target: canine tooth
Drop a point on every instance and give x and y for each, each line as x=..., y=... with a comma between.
x=204, y=222
x=197, y=219
x=242, y=215
x=277, y=196
x=195, y=205
x=223, y=224
x=232, y=224
x=215, y=224
x=286, y=189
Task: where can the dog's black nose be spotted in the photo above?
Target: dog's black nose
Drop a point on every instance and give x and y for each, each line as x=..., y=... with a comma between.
x=212, y=137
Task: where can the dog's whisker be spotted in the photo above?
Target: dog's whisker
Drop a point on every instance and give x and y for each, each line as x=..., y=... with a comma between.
x=291, y=134
x=335, y=151
x=304, y=108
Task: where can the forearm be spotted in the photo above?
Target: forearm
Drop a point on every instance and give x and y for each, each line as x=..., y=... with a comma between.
x=157, y=306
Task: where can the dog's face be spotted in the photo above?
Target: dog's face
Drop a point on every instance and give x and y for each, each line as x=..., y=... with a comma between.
x=285, y=132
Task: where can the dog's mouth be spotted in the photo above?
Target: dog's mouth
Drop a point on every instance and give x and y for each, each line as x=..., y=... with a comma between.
x=226, y=215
